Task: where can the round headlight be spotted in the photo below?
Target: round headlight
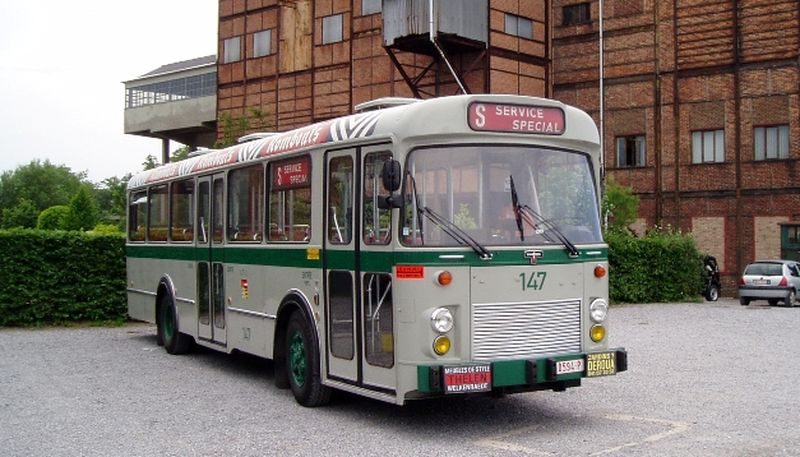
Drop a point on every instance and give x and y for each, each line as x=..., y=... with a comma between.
x=442, y=320
x=441, y=345
x=598, y=310
x=597, y=333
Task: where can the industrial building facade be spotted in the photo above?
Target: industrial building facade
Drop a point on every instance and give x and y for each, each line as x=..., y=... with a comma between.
x=700, y=104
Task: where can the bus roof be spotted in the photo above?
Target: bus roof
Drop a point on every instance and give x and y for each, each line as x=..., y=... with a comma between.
x=486, y=113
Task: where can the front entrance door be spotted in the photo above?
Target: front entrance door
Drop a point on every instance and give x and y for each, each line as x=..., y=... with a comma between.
x=210, y=268
x=357, y=271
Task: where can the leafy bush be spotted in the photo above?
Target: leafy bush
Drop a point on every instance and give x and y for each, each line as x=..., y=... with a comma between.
x=659, y=267
x=52, y=277
x=106, y=229
x=53, y=218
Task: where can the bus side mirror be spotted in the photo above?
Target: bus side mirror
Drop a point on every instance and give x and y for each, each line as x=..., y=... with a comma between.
x=391, y=175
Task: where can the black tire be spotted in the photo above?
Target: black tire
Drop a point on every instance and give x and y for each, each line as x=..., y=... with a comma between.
x=744, y=301
x=712, y=294
x=790, y=299
x=302, y=363
x=174, y=341
x=772, y=302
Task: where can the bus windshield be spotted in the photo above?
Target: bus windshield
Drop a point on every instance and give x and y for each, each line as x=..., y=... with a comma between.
x=471, y=186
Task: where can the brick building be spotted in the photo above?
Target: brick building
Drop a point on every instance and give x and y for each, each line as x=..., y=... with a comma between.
x=723, y=164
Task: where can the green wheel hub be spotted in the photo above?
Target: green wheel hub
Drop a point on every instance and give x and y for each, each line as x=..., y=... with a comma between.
x=297, y=359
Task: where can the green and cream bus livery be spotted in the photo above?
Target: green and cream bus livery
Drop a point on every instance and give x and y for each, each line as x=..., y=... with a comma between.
x=413, y=249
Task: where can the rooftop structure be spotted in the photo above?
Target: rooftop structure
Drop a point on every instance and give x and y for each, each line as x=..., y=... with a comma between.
x=177, y=101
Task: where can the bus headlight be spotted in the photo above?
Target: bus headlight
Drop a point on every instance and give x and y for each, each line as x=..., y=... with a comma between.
x=597, y=333
x=598, y=310
x=442, y=320
x=441, y=345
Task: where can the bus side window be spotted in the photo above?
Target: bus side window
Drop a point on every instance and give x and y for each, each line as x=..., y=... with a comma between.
x=289, y=216
x=340, y=200
x=245, y=204
x=181, y=210
x=377, y=222
x=157, y=217
x=137, y=216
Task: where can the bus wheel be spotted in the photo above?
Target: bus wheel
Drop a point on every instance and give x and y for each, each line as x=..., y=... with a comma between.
x=175, y=342
x=302, y=364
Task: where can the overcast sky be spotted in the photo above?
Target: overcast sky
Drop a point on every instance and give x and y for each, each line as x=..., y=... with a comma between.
x=62, y=64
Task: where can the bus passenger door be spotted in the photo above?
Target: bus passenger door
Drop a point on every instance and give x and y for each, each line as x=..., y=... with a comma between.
x=375, y=285
x=339, y=266
x=210, y=267
x=358, y=267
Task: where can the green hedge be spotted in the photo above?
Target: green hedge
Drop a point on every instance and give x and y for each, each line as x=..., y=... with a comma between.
x=54, y=277
x=659, y=267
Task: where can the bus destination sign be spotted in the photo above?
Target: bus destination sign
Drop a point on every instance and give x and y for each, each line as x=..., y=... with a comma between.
x=289, y=174
x=502, y=117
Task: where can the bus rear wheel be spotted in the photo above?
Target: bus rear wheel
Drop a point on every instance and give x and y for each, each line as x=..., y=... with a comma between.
x=302, y=364
x=174, y=341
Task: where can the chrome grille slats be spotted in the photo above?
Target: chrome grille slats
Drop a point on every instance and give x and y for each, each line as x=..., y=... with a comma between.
x=523, y=330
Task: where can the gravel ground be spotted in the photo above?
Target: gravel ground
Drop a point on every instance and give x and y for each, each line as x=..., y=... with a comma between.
x=704, y=379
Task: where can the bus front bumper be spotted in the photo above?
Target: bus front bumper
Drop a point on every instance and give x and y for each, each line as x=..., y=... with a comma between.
x=556, y=373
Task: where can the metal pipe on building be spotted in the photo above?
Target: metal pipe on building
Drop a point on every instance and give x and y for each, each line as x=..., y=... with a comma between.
x=600, y=78
x=432, y=36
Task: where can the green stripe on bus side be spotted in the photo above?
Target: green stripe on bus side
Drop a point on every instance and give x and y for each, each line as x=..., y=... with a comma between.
x=239, y=255
x=382, y=261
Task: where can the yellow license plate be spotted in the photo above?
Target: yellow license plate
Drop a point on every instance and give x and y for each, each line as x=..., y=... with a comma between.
x=601, y=364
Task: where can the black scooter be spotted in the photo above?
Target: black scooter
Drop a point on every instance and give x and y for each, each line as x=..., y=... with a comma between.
x=711, y=270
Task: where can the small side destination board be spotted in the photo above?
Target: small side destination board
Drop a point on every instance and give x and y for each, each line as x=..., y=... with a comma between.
x=467, y=378
x=601, y=364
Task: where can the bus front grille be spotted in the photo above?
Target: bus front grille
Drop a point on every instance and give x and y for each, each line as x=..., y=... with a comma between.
x=524, y=330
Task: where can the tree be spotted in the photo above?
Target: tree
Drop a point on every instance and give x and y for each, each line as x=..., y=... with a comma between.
x=82, y=211
x=23, y=214
x=111, y=200
x=620, y=206
x=42, y=184
x=180, y=154
x=150, y=162
x=234, y=127
x=53, y=218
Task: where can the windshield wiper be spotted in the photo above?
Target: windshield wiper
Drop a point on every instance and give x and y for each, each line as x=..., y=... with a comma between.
x=455, y=232
x=534, y=219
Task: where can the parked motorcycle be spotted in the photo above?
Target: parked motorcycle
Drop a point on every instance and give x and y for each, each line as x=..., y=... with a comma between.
x=713, y=286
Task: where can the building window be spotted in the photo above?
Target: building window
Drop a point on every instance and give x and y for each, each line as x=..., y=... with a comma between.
x=332, y=29
x=370, y=7
x=262, y=43
x=708, y=146
x=172, y=90
x=519, y=26
x=575, y=14
x=232, y=49
x=631, y=151
x=771, y=142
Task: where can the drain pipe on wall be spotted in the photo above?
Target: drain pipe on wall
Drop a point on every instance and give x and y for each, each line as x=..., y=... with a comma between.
x=602, y=107
x=432, y=35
